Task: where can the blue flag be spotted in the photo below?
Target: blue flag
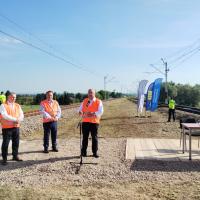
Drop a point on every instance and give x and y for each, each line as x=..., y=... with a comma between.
x=149, y=96
x=155, y=94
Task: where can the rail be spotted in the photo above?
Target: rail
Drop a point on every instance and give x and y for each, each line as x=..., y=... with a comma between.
x=63, y=107
x=188, y=109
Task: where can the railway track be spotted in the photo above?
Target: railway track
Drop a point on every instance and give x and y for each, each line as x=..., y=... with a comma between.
x=63, y=107
x=185, y=108
x=188, y=109
x=37, y=112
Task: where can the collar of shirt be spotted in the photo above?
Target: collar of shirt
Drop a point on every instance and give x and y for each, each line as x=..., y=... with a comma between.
x=93, y=100
x=11, y=104
x=50, y=102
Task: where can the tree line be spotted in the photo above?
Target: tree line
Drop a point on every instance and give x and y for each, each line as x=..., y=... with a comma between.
x=184, y=94
x=64, y=98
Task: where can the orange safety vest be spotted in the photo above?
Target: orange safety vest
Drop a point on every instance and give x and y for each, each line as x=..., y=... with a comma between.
x=12, y=112
x=50, y=109
x=91, y=108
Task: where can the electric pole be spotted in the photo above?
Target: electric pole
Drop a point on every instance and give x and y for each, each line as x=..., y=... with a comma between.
x=105, y=84
x=105, y=77
x=166, y=73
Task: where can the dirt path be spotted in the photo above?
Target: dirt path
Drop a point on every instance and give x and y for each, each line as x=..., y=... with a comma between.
x=119, y=120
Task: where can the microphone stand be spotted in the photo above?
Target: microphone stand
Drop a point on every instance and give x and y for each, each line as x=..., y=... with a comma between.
x=80, y=126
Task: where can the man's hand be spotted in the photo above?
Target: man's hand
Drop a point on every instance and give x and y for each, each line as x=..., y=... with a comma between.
x=16, y=122
x=56, y=118
x=80, y=113
x=90, y=114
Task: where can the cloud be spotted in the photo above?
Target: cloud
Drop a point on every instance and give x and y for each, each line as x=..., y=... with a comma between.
x=7, y=40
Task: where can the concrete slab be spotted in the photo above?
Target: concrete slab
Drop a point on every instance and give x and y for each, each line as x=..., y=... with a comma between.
x=159, y=149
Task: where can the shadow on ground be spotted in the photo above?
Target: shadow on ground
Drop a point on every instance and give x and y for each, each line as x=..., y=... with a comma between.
x=27, y=163
x=166, y=165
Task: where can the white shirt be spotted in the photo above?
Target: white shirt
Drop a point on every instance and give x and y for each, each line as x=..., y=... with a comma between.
x=46, y=115
x=100, y=108
x=9, y=117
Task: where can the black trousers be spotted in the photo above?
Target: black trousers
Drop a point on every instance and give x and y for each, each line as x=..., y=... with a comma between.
x=88, y=128
x=10, y=134
x=50, y=128
x=171, y=112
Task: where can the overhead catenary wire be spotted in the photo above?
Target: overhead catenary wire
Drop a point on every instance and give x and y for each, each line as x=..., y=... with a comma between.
x=49, y=53
x=39, y=39
x=55, y=55
x=181, y=55
x=46, y=52
x=185, y=54
x=182, y=50
x=188, y=57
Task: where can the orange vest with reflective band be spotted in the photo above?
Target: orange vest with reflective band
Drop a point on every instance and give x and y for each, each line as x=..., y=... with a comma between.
x=91, y=108
x=14, y=112
x=50, y=109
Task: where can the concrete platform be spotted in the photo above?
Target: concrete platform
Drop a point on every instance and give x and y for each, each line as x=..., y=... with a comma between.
x=159, y=149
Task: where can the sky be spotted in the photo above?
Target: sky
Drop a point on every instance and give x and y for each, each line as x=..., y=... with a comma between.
x=93, y=39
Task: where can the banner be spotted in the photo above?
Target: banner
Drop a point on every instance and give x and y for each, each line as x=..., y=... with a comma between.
x=141, y=91
x=149, y=97
x=155, y=94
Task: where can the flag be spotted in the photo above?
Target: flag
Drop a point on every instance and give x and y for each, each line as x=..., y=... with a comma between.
x=155, y=94
x=141, y=92
x=149, y=96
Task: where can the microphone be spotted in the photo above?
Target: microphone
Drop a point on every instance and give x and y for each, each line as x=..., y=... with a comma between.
x=88, y=103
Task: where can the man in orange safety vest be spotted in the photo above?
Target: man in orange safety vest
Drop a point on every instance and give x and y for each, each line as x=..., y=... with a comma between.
x=51, y=112
x=11, y=117
x=91, y=110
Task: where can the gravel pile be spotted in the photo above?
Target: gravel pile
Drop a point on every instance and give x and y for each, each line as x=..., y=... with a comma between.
x=34, y=123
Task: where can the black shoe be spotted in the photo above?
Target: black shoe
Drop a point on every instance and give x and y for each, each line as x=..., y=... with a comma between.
x=4, y=162
x=84, y=154
x=95, y=155
x=55, y=149
x=46, y=151
x=17, y=158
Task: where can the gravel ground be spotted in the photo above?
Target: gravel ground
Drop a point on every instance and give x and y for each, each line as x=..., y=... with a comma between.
x=41, y=171
x=60, y=176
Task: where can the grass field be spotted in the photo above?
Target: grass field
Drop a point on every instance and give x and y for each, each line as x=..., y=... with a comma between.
x=27, y=108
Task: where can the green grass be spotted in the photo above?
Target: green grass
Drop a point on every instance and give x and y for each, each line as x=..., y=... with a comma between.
x=27, y=108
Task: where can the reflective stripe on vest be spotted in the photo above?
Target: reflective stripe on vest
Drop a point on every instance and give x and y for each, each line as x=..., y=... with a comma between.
x=14, y=112
x=50, y=109
x=91, y=108
x=171, y=104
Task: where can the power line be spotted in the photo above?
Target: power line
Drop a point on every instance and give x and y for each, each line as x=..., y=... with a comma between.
x=157, y=69
x=188, y=47
x=79, y=65
x=197, y=51
x=41, y=41
x=184, y=55
x=46, y=52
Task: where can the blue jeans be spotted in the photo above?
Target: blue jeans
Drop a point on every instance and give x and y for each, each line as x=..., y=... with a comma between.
x=50, y=127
